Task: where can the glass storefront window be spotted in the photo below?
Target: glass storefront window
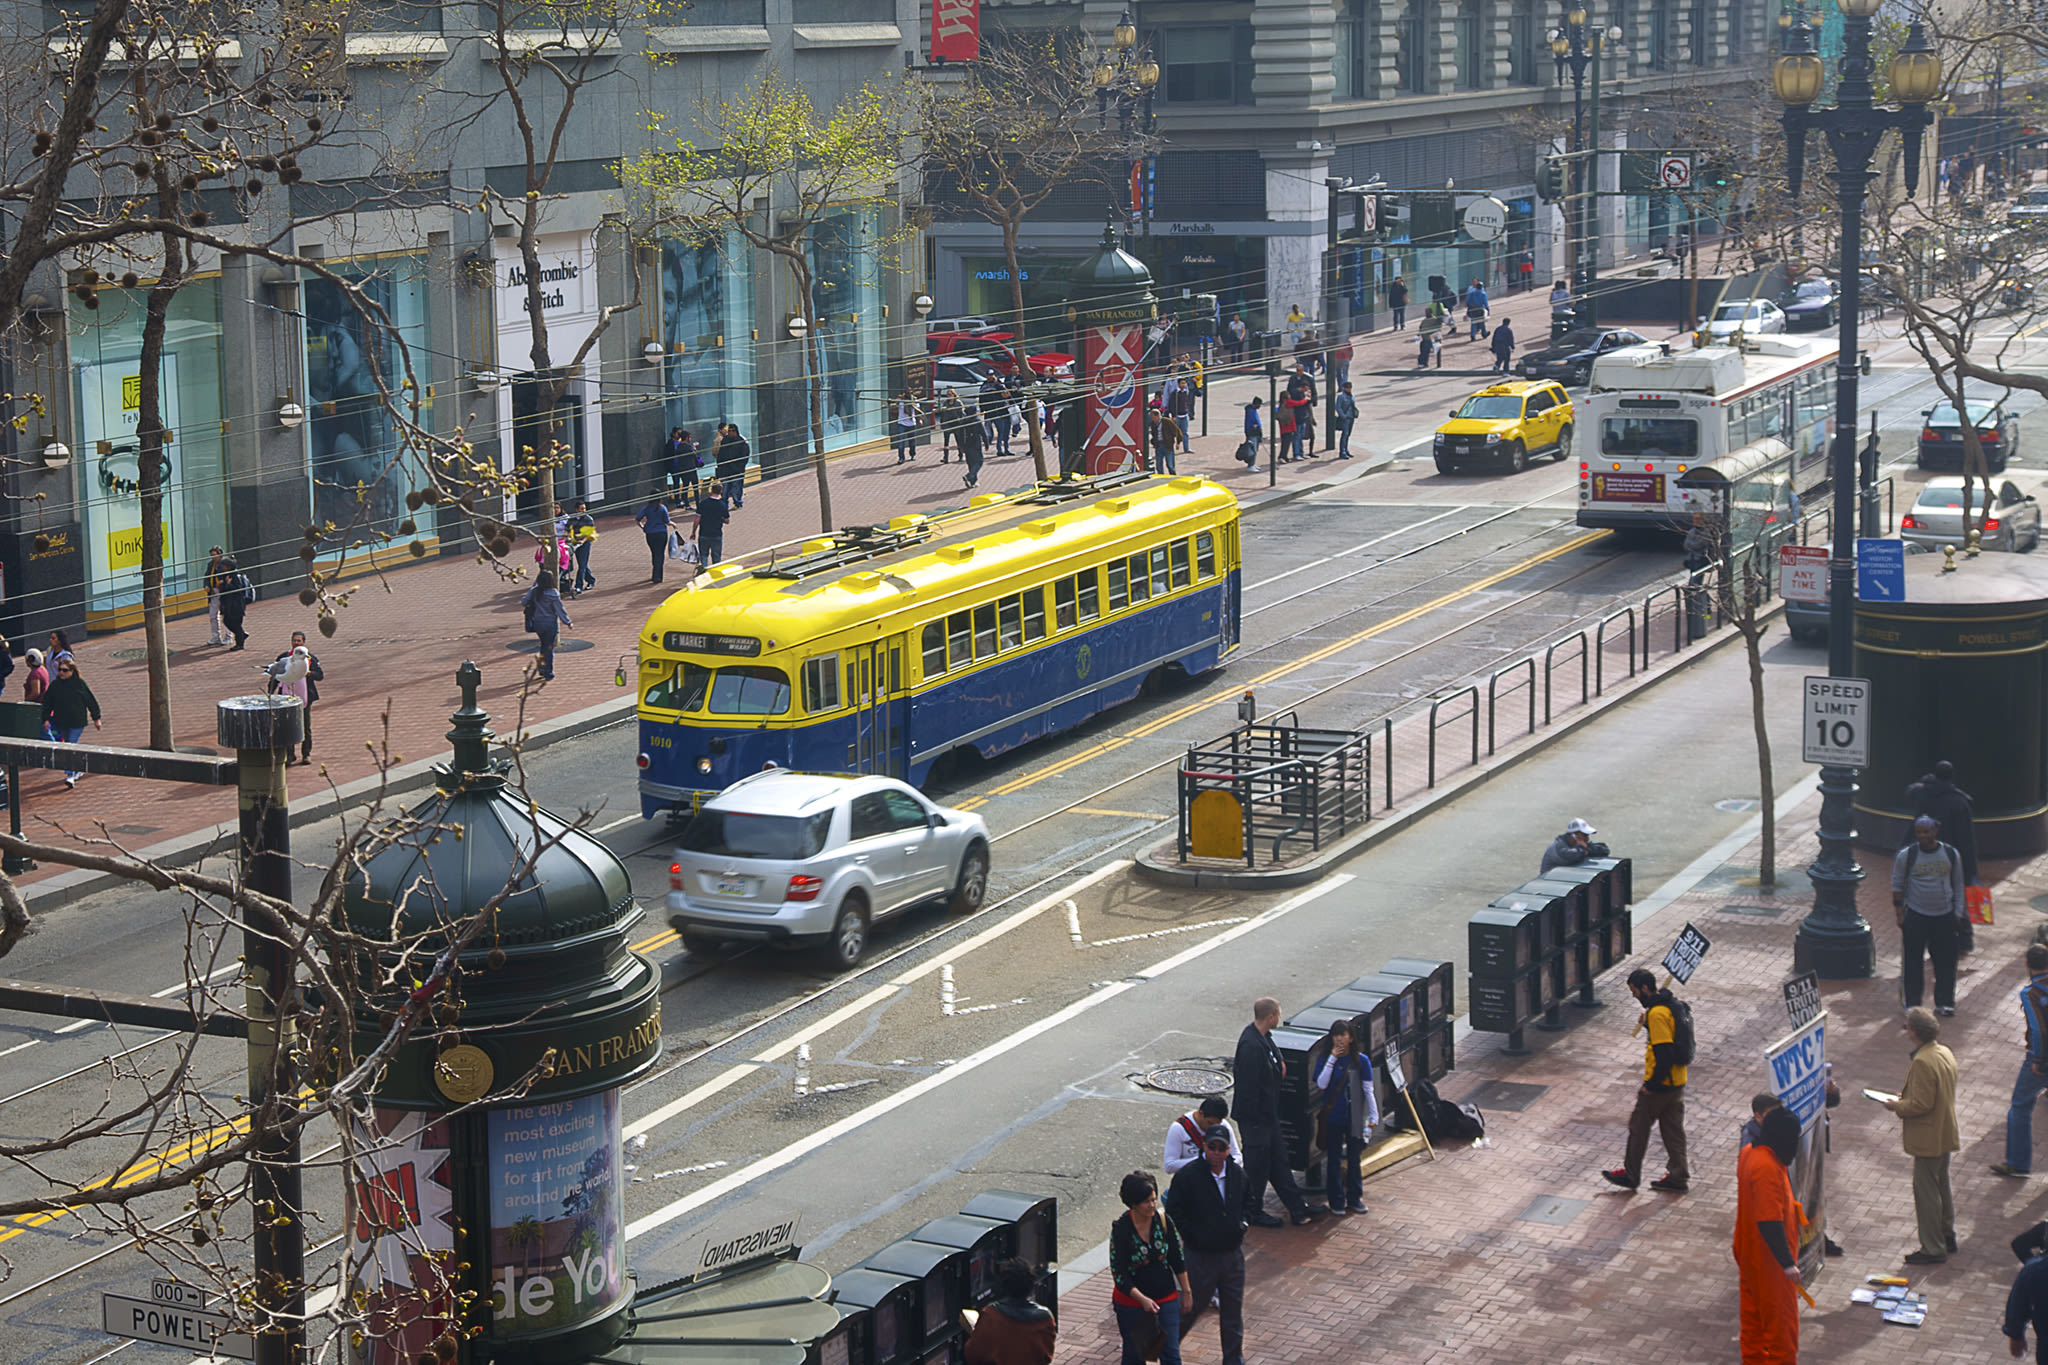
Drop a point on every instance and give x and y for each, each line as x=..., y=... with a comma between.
x=846, y=348
x=707, y=309
x=106, y=353
x=352, y=438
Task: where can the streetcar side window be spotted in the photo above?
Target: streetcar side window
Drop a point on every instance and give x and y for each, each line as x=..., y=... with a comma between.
x=985, y=630
x=1034, y=614
x=1064, y=614
x=1159, y=579
x=1090, y=595
x=1205, y=555
x=1010, y=623
x=934, y=642
x=959, y=639
x=681, y=690
x=821, y=683
x=1119, y=585
x=1181, y=574
x=1139, y=587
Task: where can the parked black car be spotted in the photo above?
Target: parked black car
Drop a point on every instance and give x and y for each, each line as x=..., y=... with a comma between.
x=1811, y=303
x=1570, y=358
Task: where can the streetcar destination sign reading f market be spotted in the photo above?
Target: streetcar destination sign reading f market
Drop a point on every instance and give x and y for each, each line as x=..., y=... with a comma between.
x=1837, y=724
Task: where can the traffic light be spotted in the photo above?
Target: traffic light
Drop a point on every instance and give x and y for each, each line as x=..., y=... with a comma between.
x=1550, y=179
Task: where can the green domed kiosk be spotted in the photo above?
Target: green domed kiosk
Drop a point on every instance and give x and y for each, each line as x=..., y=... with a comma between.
x=1959, y=671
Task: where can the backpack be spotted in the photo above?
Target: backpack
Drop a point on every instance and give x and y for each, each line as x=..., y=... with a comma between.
x=1442, y=1121
x=532, y=621
x=1681, y=1028
x=241, y=587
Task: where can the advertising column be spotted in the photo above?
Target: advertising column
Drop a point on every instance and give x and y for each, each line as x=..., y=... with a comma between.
x=1116, y=413
x=569, y=306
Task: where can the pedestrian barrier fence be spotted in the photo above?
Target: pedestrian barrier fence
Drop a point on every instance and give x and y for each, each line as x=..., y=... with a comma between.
x=1273, y=784
x=1546, y=942
x=1407, y=1008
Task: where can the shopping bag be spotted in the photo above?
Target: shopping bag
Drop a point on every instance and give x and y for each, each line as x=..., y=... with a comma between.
x=688, y=554
x=1978, y=899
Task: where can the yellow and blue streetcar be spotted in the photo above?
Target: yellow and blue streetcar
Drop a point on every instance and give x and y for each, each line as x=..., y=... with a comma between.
x=882, y=649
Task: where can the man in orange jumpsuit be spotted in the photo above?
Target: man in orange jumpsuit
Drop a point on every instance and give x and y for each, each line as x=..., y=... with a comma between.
x=1767, y=1223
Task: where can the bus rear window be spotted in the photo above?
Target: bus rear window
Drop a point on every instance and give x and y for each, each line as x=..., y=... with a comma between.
x=737, y=834
x=750, y=691
x=1650, y=438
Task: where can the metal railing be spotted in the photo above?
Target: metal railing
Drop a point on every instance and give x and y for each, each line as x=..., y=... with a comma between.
x=1290, y=784
x=1438, y=704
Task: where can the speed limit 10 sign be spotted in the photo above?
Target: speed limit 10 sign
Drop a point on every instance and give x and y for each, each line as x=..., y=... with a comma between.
x=1837, y=729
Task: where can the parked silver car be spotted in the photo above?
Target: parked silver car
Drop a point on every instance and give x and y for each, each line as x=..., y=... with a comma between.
x=1750, y=317
x=791, y=857
x=1936, y=518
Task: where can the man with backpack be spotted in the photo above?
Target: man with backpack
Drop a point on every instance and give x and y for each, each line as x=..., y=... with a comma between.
x=1927, y=898
x=1661, y=1098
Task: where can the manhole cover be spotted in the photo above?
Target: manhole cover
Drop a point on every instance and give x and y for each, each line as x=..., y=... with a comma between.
x=1738, y=805
x=1759, y=911
x=129, y=655
x=1188, y=1080
x=563, y=647
x=1550, y=1209
x=1508, y=1096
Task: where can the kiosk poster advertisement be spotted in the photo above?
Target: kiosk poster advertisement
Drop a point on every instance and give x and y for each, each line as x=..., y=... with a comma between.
x=1799, y=1078
x=402, y=1233
x=558, y=1235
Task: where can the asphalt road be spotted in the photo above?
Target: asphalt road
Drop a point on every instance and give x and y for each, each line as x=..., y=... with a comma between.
x=1078, y=978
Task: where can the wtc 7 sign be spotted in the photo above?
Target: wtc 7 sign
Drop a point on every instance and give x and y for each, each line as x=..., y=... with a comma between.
x=1836, y=732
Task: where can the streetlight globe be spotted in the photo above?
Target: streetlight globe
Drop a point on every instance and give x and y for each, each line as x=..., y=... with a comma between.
x=1104, y=75
x=1860, y=9
x=1148, y=73
x=1796, y=78
x=1558, y=45
x=1576, y=18
x=1784, y=18
x=1614, y=33
x=1915, y=70
x=1125, y=34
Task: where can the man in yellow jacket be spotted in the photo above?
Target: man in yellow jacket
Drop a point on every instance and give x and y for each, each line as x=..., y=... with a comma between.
x=1930, y=1134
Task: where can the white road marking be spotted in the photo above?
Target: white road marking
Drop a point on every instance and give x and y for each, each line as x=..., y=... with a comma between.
x=1362, y=545
x=739, y=1071
x=804, y=1146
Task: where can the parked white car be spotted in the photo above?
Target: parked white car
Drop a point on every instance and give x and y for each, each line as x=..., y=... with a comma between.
x=1751, y=317
x=789, y=857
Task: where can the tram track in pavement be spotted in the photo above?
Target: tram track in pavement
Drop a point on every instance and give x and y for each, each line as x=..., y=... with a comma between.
x=1215, y=693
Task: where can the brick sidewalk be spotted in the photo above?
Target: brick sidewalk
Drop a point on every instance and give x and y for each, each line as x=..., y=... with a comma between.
x=1445, y=1268
x=390, y=666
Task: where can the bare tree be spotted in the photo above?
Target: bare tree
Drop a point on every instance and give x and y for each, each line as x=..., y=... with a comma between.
x=1018, y=126
x=781, y=168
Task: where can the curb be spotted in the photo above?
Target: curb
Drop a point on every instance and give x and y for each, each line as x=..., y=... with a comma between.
x=1151, y=865
x=80, y=884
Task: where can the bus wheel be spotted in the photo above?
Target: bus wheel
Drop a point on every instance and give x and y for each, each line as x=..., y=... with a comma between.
x=849, y=937
x=1564, y=443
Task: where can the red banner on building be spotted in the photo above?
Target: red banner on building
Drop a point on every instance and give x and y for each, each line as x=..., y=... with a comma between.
x=956, y=30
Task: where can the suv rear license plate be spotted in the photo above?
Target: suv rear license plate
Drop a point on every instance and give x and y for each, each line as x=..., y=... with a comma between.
x=735, y=886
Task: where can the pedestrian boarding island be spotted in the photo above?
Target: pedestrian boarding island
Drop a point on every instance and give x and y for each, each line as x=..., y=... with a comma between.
x=1275, y=786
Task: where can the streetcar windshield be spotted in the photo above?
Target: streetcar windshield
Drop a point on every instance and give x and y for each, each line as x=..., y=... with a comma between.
x=742, y=690
x=1666, y=438
x=1498, y=407
x=738, y=834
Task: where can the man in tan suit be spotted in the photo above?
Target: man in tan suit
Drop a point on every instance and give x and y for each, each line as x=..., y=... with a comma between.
x=1930, y=1133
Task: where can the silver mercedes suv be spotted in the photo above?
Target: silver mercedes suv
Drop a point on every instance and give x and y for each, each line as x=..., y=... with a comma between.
x=791, y=857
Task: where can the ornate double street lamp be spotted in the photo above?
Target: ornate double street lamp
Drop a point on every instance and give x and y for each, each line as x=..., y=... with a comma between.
x=1126, y=76
x=1835, y=940
x=1577, y=49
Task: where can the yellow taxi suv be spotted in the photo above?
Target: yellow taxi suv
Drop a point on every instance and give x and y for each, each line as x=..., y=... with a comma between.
x=1502, y=425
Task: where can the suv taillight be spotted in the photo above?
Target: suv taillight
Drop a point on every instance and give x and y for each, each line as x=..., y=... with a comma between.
x=1990, y=524
x=1908, y=523
x=802, y=888
x=675, y=876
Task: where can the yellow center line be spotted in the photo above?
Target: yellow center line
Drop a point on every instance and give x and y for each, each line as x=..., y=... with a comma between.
x=136, y=1174
x=1394, y=622
x=660, y=940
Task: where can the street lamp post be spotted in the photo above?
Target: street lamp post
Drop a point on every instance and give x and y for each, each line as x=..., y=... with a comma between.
x=1126, y=77
x=1835, y=939
x=1576, y=45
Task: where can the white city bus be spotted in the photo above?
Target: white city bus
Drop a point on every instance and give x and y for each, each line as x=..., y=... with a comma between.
x=1665, y=433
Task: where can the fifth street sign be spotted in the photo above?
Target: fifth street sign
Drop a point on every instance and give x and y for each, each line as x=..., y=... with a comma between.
x=1837, y=728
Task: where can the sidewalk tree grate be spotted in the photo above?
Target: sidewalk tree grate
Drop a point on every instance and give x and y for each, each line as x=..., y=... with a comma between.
x=1184, y=1079
x=133, y=830
x=1551, y=1209
x=128, y=655
x=1756, y=911
x=1507, y=1096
